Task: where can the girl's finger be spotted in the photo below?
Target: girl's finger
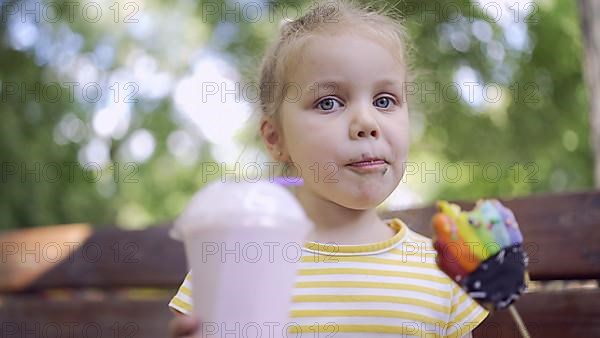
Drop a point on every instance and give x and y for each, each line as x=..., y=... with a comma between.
x=183, y=326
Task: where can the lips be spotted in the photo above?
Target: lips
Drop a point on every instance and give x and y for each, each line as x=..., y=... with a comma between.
x=367, y=163
x=367, y=160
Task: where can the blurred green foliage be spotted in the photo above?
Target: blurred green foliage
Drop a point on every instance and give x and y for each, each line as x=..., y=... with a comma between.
x=532, y=139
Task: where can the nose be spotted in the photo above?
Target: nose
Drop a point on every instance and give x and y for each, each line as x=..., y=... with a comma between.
x=363, y=124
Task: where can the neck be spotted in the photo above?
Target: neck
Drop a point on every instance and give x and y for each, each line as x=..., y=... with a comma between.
x=335, y=223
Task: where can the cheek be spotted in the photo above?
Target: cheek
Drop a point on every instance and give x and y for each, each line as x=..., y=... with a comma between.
x=398, y=135
x=309, y=141
x=313, y=158
x=399, y=141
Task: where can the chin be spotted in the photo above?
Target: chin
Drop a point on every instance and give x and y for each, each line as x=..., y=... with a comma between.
x=360, y=206
x=361, y=203
x=357, y=196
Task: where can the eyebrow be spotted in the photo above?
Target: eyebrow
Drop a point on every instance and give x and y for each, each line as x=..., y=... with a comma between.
x=389, y=82
x=327, y=83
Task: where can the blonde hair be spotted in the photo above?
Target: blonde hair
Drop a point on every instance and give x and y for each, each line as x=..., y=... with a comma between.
x=325, y=16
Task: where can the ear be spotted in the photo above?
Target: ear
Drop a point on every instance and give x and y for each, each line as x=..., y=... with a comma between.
x=272, y=138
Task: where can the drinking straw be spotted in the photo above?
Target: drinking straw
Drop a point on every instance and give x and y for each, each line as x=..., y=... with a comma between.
x=287, y=181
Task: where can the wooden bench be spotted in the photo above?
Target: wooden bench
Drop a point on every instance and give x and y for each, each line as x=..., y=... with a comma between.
x=78, y=281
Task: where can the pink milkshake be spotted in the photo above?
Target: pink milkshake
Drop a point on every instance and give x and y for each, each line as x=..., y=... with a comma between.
x=243, y=243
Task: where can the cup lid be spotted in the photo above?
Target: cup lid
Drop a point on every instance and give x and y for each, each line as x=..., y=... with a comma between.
x=271, y=204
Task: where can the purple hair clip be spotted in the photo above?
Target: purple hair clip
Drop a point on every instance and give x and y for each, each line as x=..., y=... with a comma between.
x=289, y=181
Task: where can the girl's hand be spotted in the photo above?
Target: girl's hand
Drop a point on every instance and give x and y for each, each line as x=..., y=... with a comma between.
x=184, y=326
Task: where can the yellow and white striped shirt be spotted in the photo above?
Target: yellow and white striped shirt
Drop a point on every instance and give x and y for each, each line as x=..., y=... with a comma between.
x=386, y=289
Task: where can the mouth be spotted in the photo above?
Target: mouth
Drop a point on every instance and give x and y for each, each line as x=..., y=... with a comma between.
x=367, y=162
x=368, y=165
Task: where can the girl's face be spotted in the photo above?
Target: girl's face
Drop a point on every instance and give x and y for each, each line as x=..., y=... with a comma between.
x=345, y=102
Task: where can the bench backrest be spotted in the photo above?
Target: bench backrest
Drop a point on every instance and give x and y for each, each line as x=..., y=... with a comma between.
x=122, y=280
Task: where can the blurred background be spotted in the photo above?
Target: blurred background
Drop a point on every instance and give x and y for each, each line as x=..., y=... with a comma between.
x=117, y=112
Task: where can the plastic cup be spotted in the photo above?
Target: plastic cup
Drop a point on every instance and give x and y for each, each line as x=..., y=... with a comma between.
x=243, y=243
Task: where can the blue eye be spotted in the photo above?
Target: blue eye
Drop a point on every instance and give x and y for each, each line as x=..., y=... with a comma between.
x=384, y=102
x=328, y=103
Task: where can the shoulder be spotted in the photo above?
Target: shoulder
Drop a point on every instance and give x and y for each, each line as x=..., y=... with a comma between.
x=416, y=251
x=417, y=240
x=417, y=236
x=182, y=300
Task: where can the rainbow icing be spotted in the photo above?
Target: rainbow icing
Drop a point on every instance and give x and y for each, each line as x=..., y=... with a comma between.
x=464, y=239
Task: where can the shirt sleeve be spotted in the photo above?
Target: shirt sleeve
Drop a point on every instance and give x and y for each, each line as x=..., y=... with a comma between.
x=182, y=301
x=465, y=314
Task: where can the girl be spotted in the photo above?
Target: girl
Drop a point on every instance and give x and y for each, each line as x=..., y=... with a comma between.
x=331, y=102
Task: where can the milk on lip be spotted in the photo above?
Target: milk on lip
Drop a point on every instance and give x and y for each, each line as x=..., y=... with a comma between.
x=243, y=244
